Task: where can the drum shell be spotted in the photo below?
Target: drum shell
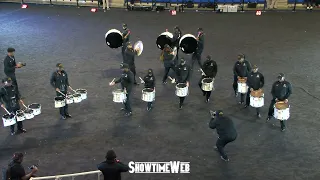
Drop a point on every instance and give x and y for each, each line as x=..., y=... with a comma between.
x=256, y=102
x=20, y=115
x=188, y=44
x=8, y=121
x=77, y=98
x=36, y=111
x=148, y=96
x=59, y=103
x=182, y=92
x=83, y=93
x=29, y=115
x=69, y=99
x=282, y=114
x=119, y=96
x=242, y=87
x=163, y=39
x=114, y=38
x=207, y=86
x=139, y=45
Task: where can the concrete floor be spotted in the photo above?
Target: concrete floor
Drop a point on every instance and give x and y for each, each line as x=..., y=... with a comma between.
x=277, y=42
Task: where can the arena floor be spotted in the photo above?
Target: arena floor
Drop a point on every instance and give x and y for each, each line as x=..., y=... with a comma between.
x=277, y=42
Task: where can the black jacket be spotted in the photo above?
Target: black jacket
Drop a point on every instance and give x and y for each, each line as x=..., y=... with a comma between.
x=225, y=127
x=15, y=171
x=129, y=56
x=9, y=96
x=182, y=73
x=149, y=81
x=176, y=38
x=126, y=81
x=167, y=59
x=201, y=42
x=210, y=68
x=9, y=65
x=255, y=80
x=242, y=69
x=281, y=90
x=124, y=33
x=112, y=170
x=60, y=81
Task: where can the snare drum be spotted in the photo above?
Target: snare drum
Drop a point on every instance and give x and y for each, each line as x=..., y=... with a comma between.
x=182, y=90
x=257, y=98
x=59, y=102
x=69, y=99
x=148, y=95
x=242, y=85
x=29, y=113
x=8, y=120
x=83, y=93
x=207, y=84
x=36, y=108
x=77, y=98
x=281, y=111
x=20, y=115
x=119, y=96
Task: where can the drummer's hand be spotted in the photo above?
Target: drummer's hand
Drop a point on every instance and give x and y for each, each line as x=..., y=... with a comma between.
x=286, y=101
x=125, y=91
x=238, y=77
x=203, y=74
x=277, y=100
x=142, y=82
x=173, y=81
x=2, y=105
x=112, y=83
x=188, y=83
x=19, y=65
x=57, y=89
x=251, y=89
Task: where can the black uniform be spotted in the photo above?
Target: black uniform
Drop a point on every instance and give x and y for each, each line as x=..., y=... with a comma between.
x=280, y=91
x=183, y=76
x=168, y=64
x=10, y=69
x=256, y=82
x=129, y=59
x=226, y=131
x=125, y=40
x=240, y=69
x=150, y=82
x=175, y=42
x=210, y=68
x=197, y=55
x=127, y=81
x=61, y=81
x=112, y=170
x=15, y=171
x=9, y=96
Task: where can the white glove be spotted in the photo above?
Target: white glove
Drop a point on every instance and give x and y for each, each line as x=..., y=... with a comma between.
x=203, y=74
x=173, y=81
x=142, y=82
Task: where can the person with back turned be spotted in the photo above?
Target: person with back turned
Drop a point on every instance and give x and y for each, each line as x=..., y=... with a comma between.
x=167, y=56
x=126, y=37
x=129, y=59
x=10, y=66
x=197, y=55
x=241, y=69
x=60, y=81
x=281, y=91
x=182, y=76
x=112, y=168
x=177, y=34
x=255, y=82
x=149, y=82
x=210, y=70
x=16, y=171
x=225, y=130
x=126, y=81
x=10, y=99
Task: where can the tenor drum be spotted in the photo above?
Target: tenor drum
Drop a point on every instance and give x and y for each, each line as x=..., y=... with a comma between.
x=29, y=114
x=119, y=96
x=138, y=45
x=69, y=99
x=148, y=95
x=36, y=108
x=188, y=44
x=257, y=98
x=83, y=93
x=59, y=102
x=242, y=86
x=77, y=98
x=207, y=84
x=163, y=39
x=20, y=115
x=281, y=111
x=8, y=120
x=182, y=90
x=114, y=38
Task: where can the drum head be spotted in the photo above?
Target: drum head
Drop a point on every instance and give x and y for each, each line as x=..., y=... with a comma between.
x=188, y=44
x=8, y=116
x=59, y=98
x=118, y=91
x=242, y=80
x=81, y=91
x=147, y=90
x=77, y=95
x=34, y=106
x=207, y=80
x=257, y=93
x=181, y=85
x=163, y=40
x=139, y=45
x=114, y=38
x=281, y=105
x=28, y=111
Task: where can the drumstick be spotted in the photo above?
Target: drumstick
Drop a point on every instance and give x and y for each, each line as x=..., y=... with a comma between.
x=112, y=80
x=170, y=78
x=6, y=110
x=71, y=89
x=141, y=79
x=24, y=105
x=203, y=72
x=61, y=93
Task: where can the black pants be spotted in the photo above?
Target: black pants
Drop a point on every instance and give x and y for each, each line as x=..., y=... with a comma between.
x=63, y=110
x=248, y=101
x=133, y=70
x=19, y=123
x=196, y=56
x=271, y=113
x=149, y=105
x=205, y=93
x=127, y=103
x=166, y=72
x=221, y=143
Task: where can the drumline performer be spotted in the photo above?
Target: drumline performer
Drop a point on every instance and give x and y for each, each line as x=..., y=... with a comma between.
x=209, y=70
x=197, y=55
x=149, y=81
x=127, y=81
x=281, y=91
x=126, y=37
x=241, y=70
x=9, y=99
x=129, y=58
x=167, y=57
x=175, y=41
x=182, y=76
x=255, y=82
x=60, y=81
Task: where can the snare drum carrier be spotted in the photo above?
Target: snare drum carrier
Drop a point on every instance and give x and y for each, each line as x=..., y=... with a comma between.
x=60, y=80
x=9, y=95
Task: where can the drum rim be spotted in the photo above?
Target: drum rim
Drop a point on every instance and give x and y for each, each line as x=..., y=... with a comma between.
x=207, y=78
x=59, y=99
x=11, y=115
x=185, y=36
x=147, y=88
x=81, y=90
x=181, y=83
x=113, y=31
x=166, y=34
x=141, y=48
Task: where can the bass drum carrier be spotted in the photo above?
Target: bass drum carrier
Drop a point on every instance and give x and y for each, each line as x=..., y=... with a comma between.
x=163, y=39
x=188, y=44
x=114, y=38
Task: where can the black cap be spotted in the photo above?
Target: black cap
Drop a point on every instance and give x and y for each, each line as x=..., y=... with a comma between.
x=10, y=50
x=208, y=57
x=281, y=75
x=59, y=65
x=176, y=27
x=124, y=65
x=111, y=155
x=6, y=79
x=124, y=25
x=200, y=29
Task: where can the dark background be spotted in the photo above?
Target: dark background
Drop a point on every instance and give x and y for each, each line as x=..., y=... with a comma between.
x=277, y=42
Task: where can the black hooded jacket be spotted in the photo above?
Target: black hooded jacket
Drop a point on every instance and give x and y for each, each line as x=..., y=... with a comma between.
x=129, y=57
x=150, y=81
x=210, y=68
x=112, y=170
x=281, y=90
x=182, y=73
x=176, y=37
x=224, y=125
x=255, y=80
x=242, y=69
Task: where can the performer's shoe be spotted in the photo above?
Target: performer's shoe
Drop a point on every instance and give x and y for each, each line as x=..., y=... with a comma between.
x=149, y=108
x=225, y=159
x=122, y=109
x=236, y=94
x=180, y=106
x=13, y=133
x=164, y=82
x=128, y=114
x=68, y=116
x=215, y=148
x=63, y=118
x=284, y=129
x=245, y=106
x=241, y=102
x=22, y=130
x=259, y=115
x=135, y=83
x=268, y=119
x=207, y=100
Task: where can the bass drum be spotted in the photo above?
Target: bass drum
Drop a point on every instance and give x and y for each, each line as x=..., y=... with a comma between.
x=188, y=44
x=114, y=38
x=163, y=39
